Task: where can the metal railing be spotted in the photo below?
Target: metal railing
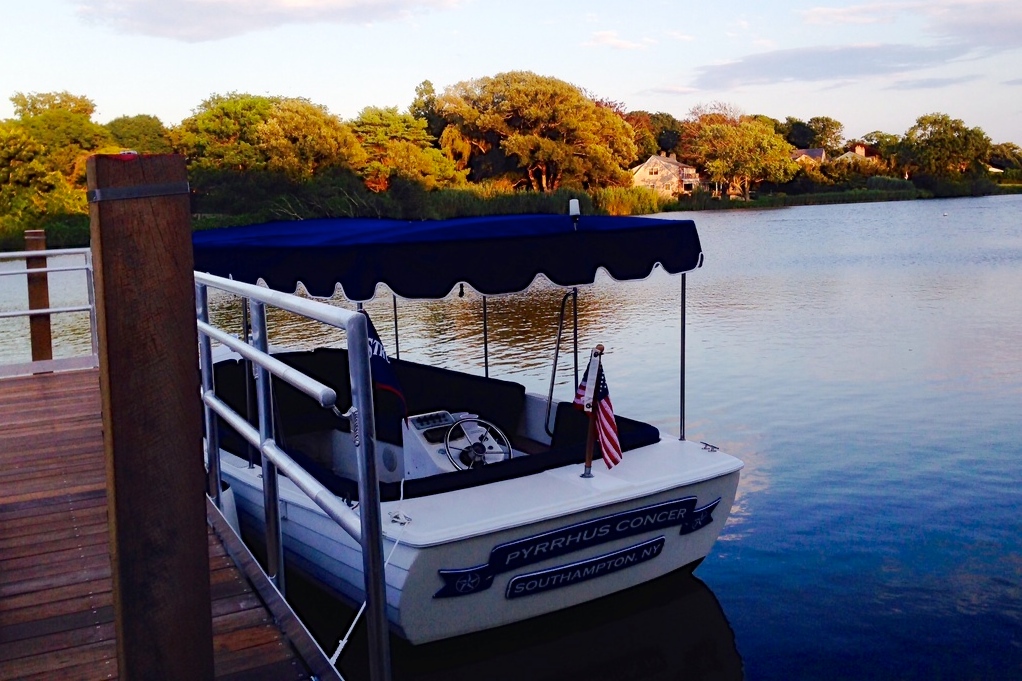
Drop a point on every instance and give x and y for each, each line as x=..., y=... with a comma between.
x=365, y=525
x=80, y=362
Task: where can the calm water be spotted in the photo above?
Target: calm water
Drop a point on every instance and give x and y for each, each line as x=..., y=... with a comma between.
x=865, y=362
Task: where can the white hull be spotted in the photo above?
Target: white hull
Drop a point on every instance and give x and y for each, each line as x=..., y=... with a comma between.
x=488, y=538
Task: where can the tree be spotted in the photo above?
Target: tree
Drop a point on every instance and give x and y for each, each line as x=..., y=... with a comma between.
x=142, y=133
x=943, y=147
x=798, y=134
x=1006, y=156
x=241, y=132
x=299, y=139
x=424, y=107
x=557, y=135
x=29, y=189
x=668, y=131
x=827, y=133
x=700, y=116
x=643, y=134
x=223, y=132
x=35, y=103
x=399, y=145
x=62, y=124
x=744, y=154
x=883, y=144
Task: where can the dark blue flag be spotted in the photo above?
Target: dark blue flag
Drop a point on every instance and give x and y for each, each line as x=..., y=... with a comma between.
x=382, y=372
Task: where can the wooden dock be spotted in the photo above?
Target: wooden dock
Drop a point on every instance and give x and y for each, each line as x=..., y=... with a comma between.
x=56, y=600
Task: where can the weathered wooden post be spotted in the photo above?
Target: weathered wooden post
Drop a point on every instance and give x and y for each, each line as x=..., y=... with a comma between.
x=152, y=417
x=38, y=297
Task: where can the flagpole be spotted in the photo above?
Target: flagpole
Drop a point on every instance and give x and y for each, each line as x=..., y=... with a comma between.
x=591, y=383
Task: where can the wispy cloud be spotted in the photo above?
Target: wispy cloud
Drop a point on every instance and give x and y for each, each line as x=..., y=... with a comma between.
x=611, y=39
x=678, y=35
x=672, y=90
x=931, y=83
x=857, y=14
x=816, y=64
x=1013, y=81
x=203, y=20
x=981, y=24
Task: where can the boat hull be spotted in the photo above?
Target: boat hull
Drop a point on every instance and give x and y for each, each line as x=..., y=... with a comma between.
x=487, y=579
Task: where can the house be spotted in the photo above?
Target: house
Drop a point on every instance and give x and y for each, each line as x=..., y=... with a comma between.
x=815, y=156
x=858, y=155
x=666, y=174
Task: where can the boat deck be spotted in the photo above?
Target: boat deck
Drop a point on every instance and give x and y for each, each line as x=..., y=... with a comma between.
x=56, y=592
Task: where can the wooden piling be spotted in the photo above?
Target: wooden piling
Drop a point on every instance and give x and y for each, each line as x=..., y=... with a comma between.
x=38, y=297
x=152, y=420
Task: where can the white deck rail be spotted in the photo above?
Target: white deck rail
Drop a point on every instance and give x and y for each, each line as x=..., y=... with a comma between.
x=364, y=526
x=64, y=363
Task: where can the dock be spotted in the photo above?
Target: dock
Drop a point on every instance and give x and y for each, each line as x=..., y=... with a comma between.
x=57, y=617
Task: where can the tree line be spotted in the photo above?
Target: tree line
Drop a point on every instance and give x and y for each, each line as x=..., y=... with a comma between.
x=513, y=142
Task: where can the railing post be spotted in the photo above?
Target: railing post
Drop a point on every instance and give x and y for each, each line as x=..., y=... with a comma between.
x=271, y=492
x=152, y=424
x=373, y=566
x=38, y=297
x=212, y=427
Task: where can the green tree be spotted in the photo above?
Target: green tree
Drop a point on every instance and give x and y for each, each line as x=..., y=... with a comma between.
x=943, y=147
x=223, y=132
x=425, y=107
x=668, y=132
x=242, y=132
x=884, y=145
x=744, y=154
x=700, y=116
x=30, y=190
x=399, y=145
x=558, y=136
x=299, y=139
x=798, y=134
x=35, y=103
x=61, y=124
x=1006, y=156
x=142, y=133
x=827, y=133
x=643, y=134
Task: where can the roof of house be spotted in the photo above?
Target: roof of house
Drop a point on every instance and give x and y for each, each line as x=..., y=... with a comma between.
x=815, y=154
x=667, y=160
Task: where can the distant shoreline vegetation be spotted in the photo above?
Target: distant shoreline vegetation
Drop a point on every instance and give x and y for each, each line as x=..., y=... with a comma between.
x=71, y=231
x=512, y=143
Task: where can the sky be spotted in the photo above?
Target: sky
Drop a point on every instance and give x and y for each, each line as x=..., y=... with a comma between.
x=870, y=65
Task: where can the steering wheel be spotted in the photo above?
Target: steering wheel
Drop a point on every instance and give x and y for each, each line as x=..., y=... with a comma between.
x=486, y=444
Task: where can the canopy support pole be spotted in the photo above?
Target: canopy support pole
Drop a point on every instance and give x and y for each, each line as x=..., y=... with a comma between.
x=574, y=316
x=486, y=343
x=682, y=413
x=397, y=342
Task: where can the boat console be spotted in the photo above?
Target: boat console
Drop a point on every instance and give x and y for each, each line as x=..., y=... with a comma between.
x=441, y=442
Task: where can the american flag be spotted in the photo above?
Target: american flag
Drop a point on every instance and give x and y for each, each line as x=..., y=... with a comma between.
x=606, y=426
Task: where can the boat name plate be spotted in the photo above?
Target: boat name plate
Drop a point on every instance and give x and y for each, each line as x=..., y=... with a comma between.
x=590, y=568
x=509, y=556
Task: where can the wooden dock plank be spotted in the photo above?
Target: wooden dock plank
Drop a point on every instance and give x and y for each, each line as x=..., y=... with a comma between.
x=56, y=600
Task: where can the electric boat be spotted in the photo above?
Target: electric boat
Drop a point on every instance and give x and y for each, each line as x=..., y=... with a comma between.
x=494, y=504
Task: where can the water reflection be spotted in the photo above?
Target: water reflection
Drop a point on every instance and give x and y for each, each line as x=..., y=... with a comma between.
x=671, y=628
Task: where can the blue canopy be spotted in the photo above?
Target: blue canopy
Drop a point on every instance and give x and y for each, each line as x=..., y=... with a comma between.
x=428, y=259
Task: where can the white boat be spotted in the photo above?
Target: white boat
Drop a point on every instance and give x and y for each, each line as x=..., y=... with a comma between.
x=488, y=516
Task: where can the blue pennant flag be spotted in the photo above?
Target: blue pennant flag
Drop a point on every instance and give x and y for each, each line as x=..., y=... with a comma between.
x=382, y=372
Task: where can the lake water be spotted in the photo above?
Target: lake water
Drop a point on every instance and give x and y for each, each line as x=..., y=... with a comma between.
x=865, y=361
